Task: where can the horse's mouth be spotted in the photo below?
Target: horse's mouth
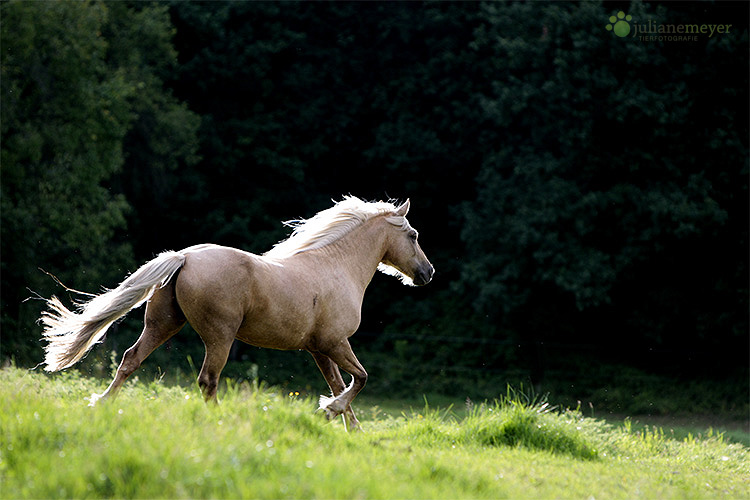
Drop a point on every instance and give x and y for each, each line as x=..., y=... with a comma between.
x=424, y=275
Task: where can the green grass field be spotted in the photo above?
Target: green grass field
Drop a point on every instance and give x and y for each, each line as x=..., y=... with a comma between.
x=160, y=441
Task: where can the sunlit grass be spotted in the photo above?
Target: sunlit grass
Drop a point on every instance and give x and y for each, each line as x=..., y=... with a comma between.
x=162, y=441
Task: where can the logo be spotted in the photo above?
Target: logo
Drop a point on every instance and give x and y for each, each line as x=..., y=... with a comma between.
x=620, y=24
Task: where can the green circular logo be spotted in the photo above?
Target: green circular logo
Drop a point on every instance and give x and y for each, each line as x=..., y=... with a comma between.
x=620, y=24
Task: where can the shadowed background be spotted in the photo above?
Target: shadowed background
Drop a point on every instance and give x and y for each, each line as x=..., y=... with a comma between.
x=583, y=197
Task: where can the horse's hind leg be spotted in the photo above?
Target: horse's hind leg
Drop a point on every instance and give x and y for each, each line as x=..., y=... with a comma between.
x=217, y=353
x=331, y=372
x=163, y=319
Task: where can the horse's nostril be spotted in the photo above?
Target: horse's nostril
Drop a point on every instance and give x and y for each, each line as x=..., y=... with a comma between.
x=424, y=275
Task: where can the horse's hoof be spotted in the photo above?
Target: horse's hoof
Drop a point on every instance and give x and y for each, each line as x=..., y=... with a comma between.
x=330, y=406
x=355, y=428
x=93, y=399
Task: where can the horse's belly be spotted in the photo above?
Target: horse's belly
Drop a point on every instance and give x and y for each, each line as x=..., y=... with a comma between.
x=276, y=331
x=272, y=339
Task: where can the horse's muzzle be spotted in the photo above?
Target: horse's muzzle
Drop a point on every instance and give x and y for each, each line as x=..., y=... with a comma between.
x=424, y=275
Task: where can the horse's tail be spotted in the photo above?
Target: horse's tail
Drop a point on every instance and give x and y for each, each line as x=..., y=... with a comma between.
x=70, y=334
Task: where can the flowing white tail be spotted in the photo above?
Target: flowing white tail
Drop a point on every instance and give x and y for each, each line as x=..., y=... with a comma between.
x=70, y=334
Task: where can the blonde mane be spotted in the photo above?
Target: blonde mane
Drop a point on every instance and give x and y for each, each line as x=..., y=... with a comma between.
x=331, y=224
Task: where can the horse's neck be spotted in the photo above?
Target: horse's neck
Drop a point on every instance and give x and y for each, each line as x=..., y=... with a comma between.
x=359, y=252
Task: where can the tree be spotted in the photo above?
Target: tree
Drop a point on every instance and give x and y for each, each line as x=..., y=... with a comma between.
x=566, y=182
x=597, y=191
x=72, y=91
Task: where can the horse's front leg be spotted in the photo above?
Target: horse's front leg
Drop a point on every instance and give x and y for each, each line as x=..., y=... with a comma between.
x=331, y=372
x=342, y=355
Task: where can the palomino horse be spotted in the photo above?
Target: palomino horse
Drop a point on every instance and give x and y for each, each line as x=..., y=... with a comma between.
x=305, y=293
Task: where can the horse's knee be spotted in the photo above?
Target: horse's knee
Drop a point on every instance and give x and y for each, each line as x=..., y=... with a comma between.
x=360, y=379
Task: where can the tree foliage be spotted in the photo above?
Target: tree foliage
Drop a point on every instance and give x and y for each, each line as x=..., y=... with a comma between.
x=571, y=187
x=80, y=81
x=595, y=171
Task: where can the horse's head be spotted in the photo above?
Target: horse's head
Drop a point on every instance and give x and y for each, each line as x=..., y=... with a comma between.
x=404, y=258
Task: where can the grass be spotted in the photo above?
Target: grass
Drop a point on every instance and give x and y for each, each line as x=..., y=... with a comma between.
x=162, y=441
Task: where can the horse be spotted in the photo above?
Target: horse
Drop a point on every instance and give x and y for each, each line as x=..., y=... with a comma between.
x=305, y=294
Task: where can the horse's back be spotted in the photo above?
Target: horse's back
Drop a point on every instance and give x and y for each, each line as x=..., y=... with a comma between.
x=214, y=265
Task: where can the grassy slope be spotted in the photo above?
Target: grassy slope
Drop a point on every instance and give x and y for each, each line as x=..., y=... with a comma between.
x=157, y=441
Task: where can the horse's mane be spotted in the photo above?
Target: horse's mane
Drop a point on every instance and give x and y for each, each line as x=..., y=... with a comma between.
x=332, y=224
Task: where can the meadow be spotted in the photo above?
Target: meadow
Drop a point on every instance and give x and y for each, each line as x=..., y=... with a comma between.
x=158, y=440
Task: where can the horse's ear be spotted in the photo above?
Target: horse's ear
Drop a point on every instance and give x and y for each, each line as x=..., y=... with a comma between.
x=403, y=209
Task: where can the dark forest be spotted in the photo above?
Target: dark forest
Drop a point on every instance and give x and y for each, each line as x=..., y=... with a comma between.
x=583, y=196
